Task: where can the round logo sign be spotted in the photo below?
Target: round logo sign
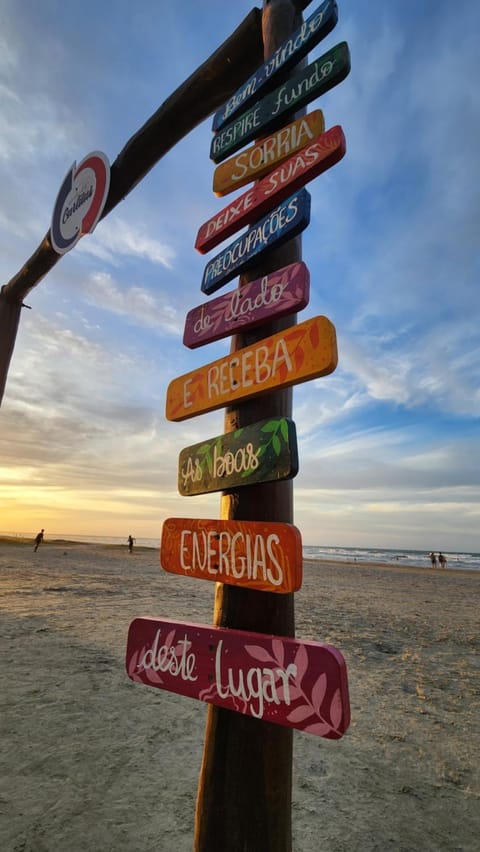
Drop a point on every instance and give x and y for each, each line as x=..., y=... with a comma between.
x=80, y=201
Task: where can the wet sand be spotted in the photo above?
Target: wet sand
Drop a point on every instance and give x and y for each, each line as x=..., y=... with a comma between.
x=91, y=761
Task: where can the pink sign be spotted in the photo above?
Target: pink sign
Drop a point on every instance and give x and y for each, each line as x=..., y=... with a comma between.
x=297, y=684
x=285, y=180
x=283, y=292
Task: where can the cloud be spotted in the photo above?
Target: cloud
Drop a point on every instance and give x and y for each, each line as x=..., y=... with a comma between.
x=139, y=305
x=115, y=238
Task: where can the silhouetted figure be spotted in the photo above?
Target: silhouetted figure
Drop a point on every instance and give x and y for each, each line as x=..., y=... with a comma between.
x=442, y=560
x=38, y=540
x=433, y=560
x=130, y=543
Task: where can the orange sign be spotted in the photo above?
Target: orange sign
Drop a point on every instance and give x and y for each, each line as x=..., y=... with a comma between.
x=258, y=554
x=260, y=159
x=301, y=352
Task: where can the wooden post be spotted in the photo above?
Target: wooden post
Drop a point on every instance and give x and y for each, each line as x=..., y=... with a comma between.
x=9, y=318
x=244, y=794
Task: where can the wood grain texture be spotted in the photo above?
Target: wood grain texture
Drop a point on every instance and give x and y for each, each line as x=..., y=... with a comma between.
x=231, y=784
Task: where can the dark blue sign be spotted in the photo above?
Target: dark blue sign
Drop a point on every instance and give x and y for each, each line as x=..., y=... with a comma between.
x=293, y=49
x=281, y=224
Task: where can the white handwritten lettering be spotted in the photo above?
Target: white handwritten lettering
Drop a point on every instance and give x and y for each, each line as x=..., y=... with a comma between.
x=265, y=231
x=240, y=555
x=256, y=687
x=257, y=366
x=288, y=95
x=244, y=459
x=173, y=659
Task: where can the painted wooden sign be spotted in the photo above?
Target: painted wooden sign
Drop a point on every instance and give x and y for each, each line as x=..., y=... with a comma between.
x=265, y=451
x=297, y=684
x=255, y=554
x=297, y=354
x=304, y=166
x=290, y=52
x=279, y=294
x=283, y=223
x=261, y=158
x=298, y=91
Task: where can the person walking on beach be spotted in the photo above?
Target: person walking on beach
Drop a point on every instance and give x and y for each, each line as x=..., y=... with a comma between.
x=433, y=559
x=442, y=560
x=38, y=540
x=130, y=543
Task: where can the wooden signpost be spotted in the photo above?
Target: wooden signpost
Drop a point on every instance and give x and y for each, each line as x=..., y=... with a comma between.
x=283, y=292
x=304, y=166
x=296, y=46
x=300, y=685
x=257, y=161
x=287, y=220
x=299, y=90
x=262, y=452
x=250, y=662
x=263, y=556
x=298, y=354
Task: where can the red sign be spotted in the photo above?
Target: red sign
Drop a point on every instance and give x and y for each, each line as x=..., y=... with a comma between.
x=294, y=173
x=297, y=684
x=297, y=354
x=283, y=292
x=257, y=554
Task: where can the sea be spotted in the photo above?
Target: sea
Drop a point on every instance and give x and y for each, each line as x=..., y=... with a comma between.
x=460, y=561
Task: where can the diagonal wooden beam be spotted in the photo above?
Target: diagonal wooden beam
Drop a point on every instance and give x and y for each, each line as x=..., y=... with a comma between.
x=200, y=95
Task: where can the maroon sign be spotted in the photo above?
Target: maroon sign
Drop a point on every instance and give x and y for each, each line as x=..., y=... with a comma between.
x=283, y=292
x=294, y=173
x=297, y=684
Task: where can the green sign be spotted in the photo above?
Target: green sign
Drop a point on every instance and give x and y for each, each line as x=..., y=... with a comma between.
x=261, y=452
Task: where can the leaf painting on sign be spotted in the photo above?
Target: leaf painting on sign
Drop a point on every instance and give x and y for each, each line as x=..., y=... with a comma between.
x=278, y=294
x=283, y=223
x=298, y=684
x=291, y=51
x=260, y=452
x=257, y=555
x=297, y=354
x=299, y=90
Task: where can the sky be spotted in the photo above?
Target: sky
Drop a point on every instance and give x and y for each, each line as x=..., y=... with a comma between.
x=389, y=443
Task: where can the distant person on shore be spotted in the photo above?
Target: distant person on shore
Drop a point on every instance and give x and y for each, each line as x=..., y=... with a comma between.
x=130, y=543
x=442, y=560
x=433, y=559
x=38, y=540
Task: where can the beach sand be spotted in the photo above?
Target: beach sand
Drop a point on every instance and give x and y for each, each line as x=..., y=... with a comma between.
x=91, y=761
